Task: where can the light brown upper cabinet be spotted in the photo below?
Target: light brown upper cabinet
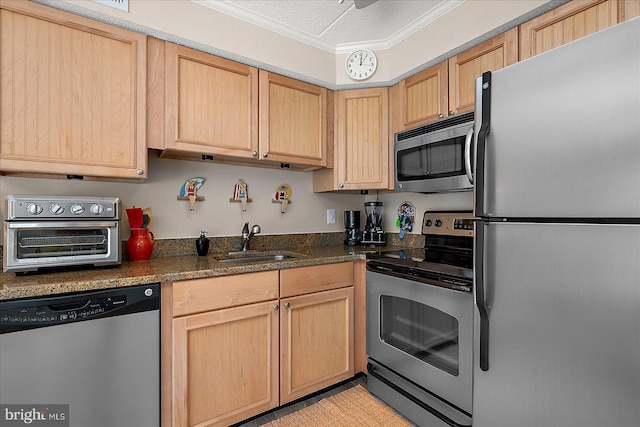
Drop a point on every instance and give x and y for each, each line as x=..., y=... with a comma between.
x=293, y=126
x=465, y=67
x=200, y=104
x=361, y=156
x=423, y=97
x=572, y=21
x=204, y=106
x=73, y=95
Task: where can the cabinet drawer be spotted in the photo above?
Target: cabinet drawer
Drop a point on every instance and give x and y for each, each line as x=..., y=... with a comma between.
x=305, y=280
x=213, y=293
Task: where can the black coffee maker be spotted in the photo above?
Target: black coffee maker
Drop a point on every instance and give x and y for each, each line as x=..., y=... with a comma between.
x=352, y=233
x=373, y=233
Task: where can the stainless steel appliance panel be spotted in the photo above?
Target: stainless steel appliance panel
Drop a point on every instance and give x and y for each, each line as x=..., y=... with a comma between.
x=563, y=305
x=106, y=369
x=454, y=387
x=563, y=134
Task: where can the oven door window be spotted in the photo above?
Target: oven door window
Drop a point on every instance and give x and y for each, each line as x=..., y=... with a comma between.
x=435, y=160
x=421, y=331
x=59, y=242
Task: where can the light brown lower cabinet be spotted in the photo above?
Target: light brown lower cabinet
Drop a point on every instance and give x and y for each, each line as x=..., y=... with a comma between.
x=237, y=346
x=225, y=365
x=316, y=342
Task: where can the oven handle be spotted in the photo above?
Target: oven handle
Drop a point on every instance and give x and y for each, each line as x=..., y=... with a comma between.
x=431, y=410
x=478, y=269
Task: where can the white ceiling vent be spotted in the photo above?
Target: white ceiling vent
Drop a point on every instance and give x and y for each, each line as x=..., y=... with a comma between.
x=116, y=4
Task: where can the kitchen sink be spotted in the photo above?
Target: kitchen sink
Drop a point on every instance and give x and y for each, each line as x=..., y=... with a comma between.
x=256, y=256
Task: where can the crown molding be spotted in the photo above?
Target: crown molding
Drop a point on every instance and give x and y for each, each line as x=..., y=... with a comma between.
x=230, y=8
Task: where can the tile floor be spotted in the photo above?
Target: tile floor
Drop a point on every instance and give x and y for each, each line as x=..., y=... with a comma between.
x=281, y=412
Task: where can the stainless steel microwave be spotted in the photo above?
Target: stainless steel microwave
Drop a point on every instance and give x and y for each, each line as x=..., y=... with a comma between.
x=435, y=158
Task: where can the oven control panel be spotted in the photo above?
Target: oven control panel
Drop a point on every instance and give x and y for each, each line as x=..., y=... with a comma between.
x=61, y=207
x=448, y=223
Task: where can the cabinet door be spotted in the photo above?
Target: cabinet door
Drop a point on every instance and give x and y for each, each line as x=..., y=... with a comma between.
x=211, y=104
x=292, y=121
x=465, y=67
x=316, y=344
x=362, y=139
x=566, y=23
x=422, y=98
x=73, y=94
x=225, y=365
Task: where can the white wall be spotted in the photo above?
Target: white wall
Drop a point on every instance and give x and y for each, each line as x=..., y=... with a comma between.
x=216, y=215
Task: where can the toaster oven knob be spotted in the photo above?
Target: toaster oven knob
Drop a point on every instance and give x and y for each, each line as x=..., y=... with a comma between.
x=96, y=209
x=56, y=209
x=34, y=208
x=77, y=209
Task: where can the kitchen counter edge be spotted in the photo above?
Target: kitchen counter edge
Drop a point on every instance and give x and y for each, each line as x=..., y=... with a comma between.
x=165, y=269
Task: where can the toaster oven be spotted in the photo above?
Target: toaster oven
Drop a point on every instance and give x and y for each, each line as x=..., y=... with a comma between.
x=42, y=232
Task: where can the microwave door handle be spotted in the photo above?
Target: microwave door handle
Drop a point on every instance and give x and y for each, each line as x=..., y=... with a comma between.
x=467, y=154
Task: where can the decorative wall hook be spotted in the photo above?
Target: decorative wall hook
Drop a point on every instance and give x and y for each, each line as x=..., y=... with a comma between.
x=241, y=194
x=189, y=191
x=282, y=196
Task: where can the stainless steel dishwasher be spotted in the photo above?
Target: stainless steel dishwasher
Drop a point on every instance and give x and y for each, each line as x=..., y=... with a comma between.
x=97, y=352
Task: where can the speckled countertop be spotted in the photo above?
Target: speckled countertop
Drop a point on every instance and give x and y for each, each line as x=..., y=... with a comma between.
x=167, y=268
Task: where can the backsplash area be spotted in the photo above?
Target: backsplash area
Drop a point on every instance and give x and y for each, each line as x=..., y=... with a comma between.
x=172, y=218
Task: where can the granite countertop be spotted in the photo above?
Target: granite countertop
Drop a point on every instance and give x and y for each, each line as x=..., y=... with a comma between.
x=164, y=269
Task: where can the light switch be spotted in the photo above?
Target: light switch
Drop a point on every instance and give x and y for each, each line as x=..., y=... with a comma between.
x=331, y=216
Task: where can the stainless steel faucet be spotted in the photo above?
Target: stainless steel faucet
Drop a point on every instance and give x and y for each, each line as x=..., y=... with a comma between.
x=246, y=235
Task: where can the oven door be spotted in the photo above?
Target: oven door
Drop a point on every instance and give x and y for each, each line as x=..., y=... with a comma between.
x=423, y=333
x=33, y=245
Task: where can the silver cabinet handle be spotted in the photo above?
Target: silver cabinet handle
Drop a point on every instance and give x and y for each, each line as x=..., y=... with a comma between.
x=440, y=116
x=276, y=306
x=287, y=305
x=265, y=154
x=139, y=172
x=451, y=112
x=254, y=153
x=341, y=185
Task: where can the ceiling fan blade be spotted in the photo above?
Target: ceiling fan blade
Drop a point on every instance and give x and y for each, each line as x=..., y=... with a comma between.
x=363, y=3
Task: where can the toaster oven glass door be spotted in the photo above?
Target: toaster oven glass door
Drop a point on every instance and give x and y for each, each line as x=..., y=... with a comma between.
x=58, y=243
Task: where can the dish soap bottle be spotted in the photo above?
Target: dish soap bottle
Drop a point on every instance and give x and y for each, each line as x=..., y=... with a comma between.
x=202, y=244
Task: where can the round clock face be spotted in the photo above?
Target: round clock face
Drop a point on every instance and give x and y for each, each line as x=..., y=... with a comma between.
x=361, y=64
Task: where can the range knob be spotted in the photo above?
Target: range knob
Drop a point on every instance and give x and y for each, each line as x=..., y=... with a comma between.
x=56, y=208
x=428, y=223
x=96, y=209
x=34, y=208
x=438, y=223
x=77, y=209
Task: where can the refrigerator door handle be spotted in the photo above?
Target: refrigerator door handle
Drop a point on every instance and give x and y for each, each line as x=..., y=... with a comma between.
x=483, y=91
x=467, y=154
x=478, y=269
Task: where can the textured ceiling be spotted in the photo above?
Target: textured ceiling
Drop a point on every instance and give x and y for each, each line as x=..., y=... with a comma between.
x=338, y=27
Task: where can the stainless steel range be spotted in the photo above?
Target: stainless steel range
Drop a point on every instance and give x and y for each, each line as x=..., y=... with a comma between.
x=420, y=323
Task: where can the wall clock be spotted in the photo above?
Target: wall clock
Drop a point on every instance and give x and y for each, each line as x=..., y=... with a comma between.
x=361, y=64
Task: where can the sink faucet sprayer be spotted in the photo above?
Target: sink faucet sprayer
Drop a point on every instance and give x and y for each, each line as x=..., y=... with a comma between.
x=246, y=236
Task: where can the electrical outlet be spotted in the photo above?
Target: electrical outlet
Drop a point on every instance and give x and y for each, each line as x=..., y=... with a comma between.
x=331, y=216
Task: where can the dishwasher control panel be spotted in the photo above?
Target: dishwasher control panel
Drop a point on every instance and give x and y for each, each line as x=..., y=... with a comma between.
x=18, y=315
x=63, y=312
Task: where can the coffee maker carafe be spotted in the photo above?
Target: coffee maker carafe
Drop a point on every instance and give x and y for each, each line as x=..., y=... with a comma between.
x=352, y=233
x=373, y=233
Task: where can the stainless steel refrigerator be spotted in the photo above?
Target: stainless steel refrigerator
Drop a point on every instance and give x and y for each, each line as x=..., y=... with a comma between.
x=557, y=250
